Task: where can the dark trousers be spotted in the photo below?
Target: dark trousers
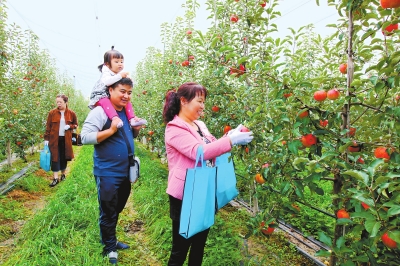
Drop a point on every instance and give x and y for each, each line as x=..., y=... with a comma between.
x=113, y=193
x=62, y=162
x=181, y=245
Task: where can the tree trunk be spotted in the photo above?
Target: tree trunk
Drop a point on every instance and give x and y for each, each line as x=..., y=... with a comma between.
x=9, y=152
x=337, y=187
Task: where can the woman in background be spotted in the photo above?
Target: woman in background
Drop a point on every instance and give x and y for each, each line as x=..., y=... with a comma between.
x=60, y=123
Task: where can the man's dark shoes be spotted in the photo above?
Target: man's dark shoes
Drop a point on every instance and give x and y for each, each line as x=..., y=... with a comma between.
x=55, y=182
x=63, y=177
x=112, y=257
x=121, y=245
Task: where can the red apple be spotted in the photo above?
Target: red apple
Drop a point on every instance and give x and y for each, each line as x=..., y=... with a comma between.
x=263, y=4
x=308, y=140
x=381, y=152
x=352, y=131
x=354, y=148
x=151, y=133
x=226, y=129
x=361, y=160
x=323, y=123
x=185, y=63
x=320, y=95
x=244, y=129
x=342, y=213
x=333, y=94
x=390, y=3
x=189, y=32
x=144, y=92
x=191, y=57
x=365, y=206
x=287, y=95
x=234, y=18
x=267, y=231
x=303, y=114
x=170, y=61
x=15, y=111
x=215, y=108
x=389, y=29
x=343, y=68
x=387, y=241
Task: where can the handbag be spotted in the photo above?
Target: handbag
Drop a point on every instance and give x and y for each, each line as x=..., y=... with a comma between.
x=45, y=158
x=76, y=139
x=226, y=180
x=134, y=162
x=198, y=202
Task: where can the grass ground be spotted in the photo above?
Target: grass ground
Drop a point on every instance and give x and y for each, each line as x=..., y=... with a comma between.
x=63, y=230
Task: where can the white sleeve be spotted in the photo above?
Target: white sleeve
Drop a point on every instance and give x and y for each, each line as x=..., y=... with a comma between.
x=108, y=77
x=93, y=124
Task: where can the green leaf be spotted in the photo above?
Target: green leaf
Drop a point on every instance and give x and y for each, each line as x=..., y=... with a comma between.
x=380, y=180
x=325, y=239
x=300, y=160
x=225, y=48
x=395, y=235
x=294, y=146
x=370, y=224
x=285, y=187
x=356, y=83
x=230, y=55
x=375, y=229
x=393, y=211
x=363, y=177
x=328, y=156
x=375, y=164
x=323, y=253
x=344, y=221
x=340, y=242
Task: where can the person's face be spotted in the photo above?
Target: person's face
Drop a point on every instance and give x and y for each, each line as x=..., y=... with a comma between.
x=193, y=109
x=117, y=65
x=120, y=96
x=61, y=105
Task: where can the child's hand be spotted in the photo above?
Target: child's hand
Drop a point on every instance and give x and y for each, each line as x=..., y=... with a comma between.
x=124, y=74
x=116, y=123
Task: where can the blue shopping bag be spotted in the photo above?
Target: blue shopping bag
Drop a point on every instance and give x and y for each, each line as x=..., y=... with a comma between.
x=226, y=180
x=45, y=158
x=198, y=202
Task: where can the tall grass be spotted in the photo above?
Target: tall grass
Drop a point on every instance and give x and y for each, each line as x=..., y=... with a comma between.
x=66, y=231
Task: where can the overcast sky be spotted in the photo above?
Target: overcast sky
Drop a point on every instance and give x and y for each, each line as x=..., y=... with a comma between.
x=78, y=32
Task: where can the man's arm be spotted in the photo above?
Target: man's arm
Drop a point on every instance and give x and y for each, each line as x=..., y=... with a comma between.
x=91, y=131
x=136, y=131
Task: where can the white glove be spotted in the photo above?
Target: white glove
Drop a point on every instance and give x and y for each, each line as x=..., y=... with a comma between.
x=46, y=142
x=67, y=127
x=237, y=129
x=241, y=138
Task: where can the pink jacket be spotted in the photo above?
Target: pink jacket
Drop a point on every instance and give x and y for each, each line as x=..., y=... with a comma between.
x=181, y=142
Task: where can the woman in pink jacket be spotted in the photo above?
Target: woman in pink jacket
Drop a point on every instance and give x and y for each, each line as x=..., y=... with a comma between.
x=183, y=135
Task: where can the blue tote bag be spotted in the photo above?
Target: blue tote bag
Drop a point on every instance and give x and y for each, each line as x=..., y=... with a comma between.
x=45, y=158
x=226, y=180
x=198, y=202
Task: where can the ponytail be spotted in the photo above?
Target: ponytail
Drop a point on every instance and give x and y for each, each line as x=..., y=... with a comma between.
x=172, y=106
